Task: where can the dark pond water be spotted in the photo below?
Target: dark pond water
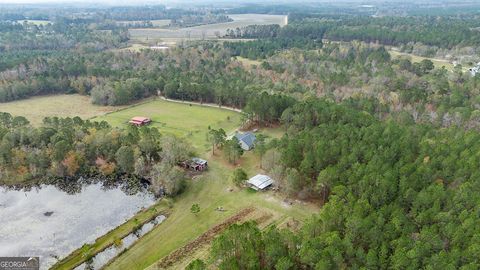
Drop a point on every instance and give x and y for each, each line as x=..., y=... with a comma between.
x=50, y=223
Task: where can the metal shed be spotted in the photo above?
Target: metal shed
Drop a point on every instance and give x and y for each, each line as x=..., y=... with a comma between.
x=260, y=182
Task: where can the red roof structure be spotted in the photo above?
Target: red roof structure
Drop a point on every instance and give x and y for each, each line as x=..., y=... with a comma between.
x=139, y=121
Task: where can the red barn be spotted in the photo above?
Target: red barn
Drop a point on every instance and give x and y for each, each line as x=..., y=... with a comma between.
x=140, y=121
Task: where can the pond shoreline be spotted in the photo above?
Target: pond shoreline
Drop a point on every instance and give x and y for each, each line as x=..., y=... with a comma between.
x=73, y=184
x=78, y=256
x=90, y=208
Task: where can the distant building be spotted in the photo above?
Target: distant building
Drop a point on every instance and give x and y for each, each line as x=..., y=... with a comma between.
x=196, y=164
x=246, y=140
x=140, y=121
x=474, y=70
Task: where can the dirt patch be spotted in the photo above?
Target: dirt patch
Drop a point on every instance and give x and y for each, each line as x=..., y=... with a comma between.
x=205, y=238
x=262, y=219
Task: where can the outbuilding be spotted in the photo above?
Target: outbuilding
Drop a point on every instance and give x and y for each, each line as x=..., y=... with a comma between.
x=139, y=121
x=260, y=182
x=196, y=164
x=246, y=140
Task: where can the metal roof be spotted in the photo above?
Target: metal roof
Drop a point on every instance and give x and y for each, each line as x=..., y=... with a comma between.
x=248, y=138
x=199, y=161
x=260, y=181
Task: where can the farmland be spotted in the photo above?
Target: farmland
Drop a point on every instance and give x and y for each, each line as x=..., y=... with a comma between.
x=211, y=191
x=37, y=108
x=187, y=121
x=209, y=31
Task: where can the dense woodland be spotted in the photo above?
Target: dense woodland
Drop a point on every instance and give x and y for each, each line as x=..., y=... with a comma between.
x=364, y=74
x=71, y=147
x=397, y=196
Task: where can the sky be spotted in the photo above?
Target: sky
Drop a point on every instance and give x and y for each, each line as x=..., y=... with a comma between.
x=143, y=2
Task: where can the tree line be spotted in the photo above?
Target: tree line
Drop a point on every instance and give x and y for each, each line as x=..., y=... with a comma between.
x=66, y=148
x=396, y=196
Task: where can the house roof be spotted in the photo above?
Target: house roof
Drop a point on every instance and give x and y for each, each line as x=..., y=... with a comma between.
x=248, y=138
x=260, y=181
x=199, y=161
x=140, y=119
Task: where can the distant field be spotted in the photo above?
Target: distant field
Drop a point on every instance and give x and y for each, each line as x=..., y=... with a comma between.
x=36, y=22
x=37, y=108
x=439, y=63
x=209, y=31
x=156, y=23
x=190, y=122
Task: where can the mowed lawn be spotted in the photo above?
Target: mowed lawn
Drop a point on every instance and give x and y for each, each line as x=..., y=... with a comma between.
x=37, y=108
x=187, y=121
x=212, y=190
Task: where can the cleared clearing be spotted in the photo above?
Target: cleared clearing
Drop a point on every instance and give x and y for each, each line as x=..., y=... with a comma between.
x=36, y=22
x=37, y=108
x=438, y=63
x=208, y=31
x=184, y=120
x=248, y=63
x=156, y=23
x=210, y=191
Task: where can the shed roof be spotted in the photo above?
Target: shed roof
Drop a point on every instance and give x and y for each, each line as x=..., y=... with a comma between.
x=140, y=119
x=260, y=181
x=199, y=161
x=248, y=138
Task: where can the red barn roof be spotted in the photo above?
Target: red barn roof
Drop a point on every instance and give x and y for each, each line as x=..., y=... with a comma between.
x=139, y=120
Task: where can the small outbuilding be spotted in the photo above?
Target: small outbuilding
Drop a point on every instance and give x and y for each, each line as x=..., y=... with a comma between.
x=260, y=182
x=246, y=140
x=140, y=121
x=196, y=164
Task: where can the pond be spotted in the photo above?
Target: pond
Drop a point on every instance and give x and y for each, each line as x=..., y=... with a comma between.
x=50, y=223
x=102, y=258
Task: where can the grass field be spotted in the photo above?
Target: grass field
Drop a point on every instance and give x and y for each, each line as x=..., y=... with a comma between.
x=136, y=47
x=156, y=23
x=190, y=122
x=37, y=108
x=208, y=31
x=439, y=63
x=248, y=63
x=36, y=22
x=210, y=191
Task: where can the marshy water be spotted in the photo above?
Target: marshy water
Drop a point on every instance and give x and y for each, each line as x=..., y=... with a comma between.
x=102, y=258
x=50, y=223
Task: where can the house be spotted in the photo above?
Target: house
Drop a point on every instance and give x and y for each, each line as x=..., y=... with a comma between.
x=260, y=182
x=140, y=121
x=246, y=140
x=196, y=164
